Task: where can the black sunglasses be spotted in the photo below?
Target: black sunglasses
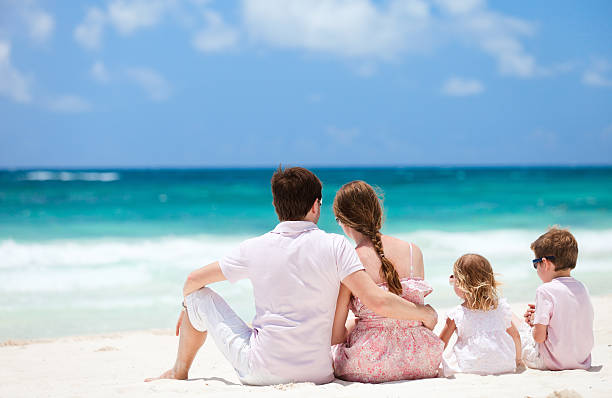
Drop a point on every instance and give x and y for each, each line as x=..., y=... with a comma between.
x=539, y=260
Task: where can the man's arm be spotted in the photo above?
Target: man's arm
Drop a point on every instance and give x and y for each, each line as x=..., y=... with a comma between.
x=196, y=280
x=201, y=277
x=540, y=332
x=388, y=304
x=339, y=330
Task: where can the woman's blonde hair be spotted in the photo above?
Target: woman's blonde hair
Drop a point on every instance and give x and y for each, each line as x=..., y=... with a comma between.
x=475, y=278
x=358, y=206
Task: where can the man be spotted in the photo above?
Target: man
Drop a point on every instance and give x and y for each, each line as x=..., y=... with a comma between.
x=296, y=271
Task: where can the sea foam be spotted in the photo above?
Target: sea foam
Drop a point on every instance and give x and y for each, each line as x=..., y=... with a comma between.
x=42, y=175
x=504, y=248
x=106, y=279
x=177, y=252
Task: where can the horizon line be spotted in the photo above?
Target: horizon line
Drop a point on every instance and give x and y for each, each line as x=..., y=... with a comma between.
x=314, y=166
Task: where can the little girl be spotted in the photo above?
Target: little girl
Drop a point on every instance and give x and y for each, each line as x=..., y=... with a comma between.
x=487, y=341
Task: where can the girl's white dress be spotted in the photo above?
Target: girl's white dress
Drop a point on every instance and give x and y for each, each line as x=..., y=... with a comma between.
x=483, y=346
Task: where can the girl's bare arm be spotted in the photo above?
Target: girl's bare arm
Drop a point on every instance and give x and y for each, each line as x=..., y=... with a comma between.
x=447, y=331
x=516, y=337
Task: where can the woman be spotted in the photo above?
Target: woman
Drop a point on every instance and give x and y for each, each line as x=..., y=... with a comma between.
x=374, y=349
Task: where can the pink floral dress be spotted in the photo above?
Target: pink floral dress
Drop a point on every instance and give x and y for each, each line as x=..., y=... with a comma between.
x=381, y=349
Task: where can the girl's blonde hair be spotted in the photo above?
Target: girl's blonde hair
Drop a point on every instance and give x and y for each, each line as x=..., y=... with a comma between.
x=475, y=278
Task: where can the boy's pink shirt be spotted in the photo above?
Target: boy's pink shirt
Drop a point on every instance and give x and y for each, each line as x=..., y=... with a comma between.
x=565, y=306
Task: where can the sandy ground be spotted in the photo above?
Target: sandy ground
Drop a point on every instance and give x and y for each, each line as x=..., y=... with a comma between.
x=115, y=365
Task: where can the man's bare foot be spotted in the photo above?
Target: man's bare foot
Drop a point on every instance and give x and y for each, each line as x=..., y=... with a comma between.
x=168, y=374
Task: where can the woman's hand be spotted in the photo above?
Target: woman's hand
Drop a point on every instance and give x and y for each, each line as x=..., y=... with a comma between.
x=432, y=317
x=180, y=321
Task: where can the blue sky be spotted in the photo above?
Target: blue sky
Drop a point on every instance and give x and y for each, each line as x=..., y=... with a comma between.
x=170, y=83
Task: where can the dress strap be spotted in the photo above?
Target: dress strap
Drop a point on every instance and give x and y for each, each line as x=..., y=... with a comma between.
x=411, y=259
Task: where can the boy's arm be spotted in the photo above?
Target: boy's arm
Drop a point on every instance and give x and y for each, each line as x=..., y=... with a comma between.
x=388, y=304
x=529, y=314
x=539, y=332
x=447, y=331
x=542, y=314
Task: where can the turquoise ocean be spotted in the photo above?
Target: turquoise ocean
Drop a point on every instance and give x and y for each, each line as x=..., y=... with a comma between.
x=95, y=251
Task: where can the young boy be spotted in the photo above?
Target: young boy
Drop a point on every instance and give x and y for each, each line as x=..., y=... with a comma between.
x=561, y=334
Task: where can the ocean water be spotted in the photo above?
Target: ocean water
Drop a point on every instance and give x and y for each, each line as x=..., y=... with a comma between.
x=93, y=251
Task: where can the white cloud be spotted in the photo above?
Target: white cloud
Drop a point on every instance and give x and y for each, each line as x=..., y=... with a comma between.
x=99, y=72
x=40, y=24
x=126, y=16
x=511, y=58
x=496, y=34
x=129, y=16
x=154, y=84
x=27, y=16
x=562, y=67
x=460, y=6
x=595, y=75
x=13, y=84
x=367, y=29
x=89, y=32
x=460, y=87
x=68, y=103
x=354, y=28
x=216, y=36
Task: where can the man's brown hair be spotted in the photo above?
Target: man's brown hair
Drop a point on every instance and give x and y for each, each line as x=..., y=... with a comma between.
x=294, y=191
x=559, y=243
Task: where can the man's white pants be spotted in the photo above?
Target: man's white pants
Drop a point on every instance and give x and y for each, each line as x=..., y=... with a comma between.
x=207, y=311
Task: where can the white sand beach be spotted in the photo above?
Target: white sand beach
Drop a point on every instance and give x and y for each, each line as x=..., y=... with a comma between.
x=115, y=365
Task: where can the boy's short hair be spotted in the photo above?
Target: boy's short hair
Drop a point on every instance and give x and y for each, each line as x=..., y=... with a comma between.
x=559, y=243
x=294, y=191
